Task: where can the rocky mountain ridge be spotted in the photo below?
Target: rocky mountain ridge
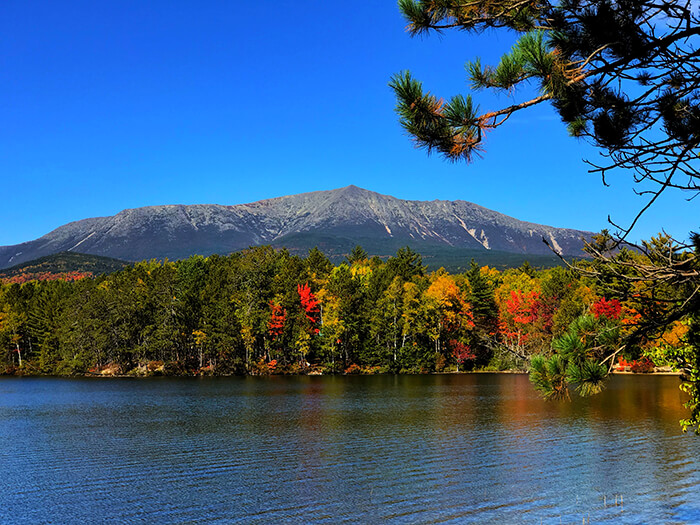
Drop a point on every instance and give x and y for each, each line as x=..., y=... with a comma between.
x=335, y=219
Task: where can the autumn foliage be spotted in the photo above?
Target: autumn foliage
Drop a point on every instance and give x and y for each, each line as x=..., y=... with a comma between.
x=255, y=313
x=278, y=318
x=46, y=276
x=524, y=306
x=309, y=304
x=461, y=352
x=610, y=309
x=644, y=365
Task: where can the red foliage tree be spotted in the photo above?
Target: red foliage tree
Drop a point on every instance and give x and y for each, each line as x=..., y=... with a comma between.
x=461, y=351
x=278, y=318
x=309, y=304
x=524, y=306
x=610, y=309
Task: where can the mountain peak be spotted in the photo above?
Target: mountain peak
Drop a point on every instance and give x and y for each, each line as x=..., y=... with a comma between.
x=353, y=191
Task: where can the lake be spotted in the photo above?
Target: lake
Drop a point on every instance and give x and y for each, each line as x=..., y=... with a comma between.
x=471, y=448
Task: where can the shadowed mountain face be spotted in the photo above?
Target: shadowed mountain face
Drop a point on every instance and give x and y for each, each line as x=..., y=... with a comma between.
x=335, y=221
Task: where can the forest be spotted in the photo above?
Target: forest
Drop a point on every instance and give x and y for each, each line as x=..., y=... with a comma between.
x=265, y=311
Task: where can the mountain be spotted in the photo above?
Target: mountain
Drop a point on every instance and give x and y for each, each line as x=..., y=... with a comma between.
x=334, y=220
x=65, y=262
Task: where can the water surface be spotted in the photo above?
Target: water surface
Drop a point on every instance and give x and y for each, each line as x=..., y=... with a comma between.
x=476, y=448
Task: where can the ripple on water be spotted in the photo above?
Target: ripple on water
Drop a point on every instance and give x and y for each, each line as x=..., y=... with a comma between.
x=429, y=449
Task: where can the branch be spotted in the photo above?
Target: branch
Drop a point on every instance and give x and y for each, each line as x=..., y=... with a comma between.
x=509, y=110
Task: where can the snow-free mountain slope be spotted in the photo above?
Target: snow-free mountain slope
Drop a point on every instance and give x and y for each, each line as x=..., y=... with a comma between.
x=342, y=217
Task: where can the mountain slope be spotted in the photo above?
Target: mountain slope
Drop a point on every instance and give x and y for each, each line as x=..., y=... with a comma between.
x=342, y=217
x=65, y=262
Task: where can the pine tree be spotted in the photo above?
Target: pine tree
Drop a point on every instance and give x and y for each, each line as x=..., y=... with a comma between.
x=622, y=74
x=358, y=254
x=579, y=360
x=405, y=264
x=484, y=311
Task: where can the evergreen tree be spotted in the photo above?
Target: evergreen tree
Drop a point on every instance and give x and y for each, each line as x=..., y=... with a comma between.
x=579, y=360
x=482, y=299
x=358, y=254
x=318, y=265
x=484, y=312
x=406, y=264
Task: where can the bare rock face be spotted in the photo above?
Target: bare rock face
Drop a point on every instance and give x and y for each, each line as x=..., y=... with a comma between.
x=332, y=219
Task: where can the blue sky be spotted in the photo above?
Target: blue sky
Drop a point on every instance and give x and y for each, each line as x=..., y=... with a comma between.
x=119, y=104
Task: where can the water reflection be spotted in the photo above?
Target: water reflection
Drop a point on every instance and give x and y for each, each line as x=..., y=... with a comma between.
x=465, y=448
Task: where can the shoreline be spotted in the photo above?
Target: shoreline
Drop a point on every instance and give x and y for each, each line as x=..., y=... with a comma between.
x=93, y=375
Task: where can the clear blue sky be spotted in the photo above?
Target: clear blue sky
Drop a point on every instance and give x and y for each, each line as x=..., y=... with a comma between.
x=119, y=104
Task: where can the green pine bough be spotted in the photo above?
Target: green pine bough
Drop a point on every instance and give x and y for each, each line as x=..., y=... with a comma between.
x=579, y=359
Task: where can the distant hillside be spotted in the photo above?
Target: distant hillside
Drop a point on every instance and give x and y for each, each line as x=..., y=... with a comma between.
x=455, y=260
x=334, y=220
x=458, y=261
x=65, y=263
x=73, y=265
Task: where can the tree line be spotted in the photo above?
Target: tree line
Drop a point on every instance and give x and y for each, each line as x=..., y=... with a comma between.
x=264, y=311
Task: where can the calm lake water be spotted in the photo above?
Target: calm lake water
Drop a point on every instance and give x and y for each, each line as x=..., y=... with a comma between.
x=477, y=448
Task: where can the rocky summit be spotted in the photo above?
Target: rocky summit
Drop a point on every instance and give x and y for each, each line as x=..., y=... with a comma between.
x=334, y=220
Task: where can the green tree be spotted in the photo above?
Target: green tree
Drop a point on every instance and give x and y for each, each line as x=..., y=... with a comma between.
x=387, y=320
x=15, y=333
x=189, y=284
x=484, y=311
x=11, y=327
x=252, y=276
x=405, y=264
x=416, y=350
x=161, y=336
x=83, y=333
x=219, y=316
x=45, y=319
x=349, y=293
x=358, y=254
x=318, y=265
